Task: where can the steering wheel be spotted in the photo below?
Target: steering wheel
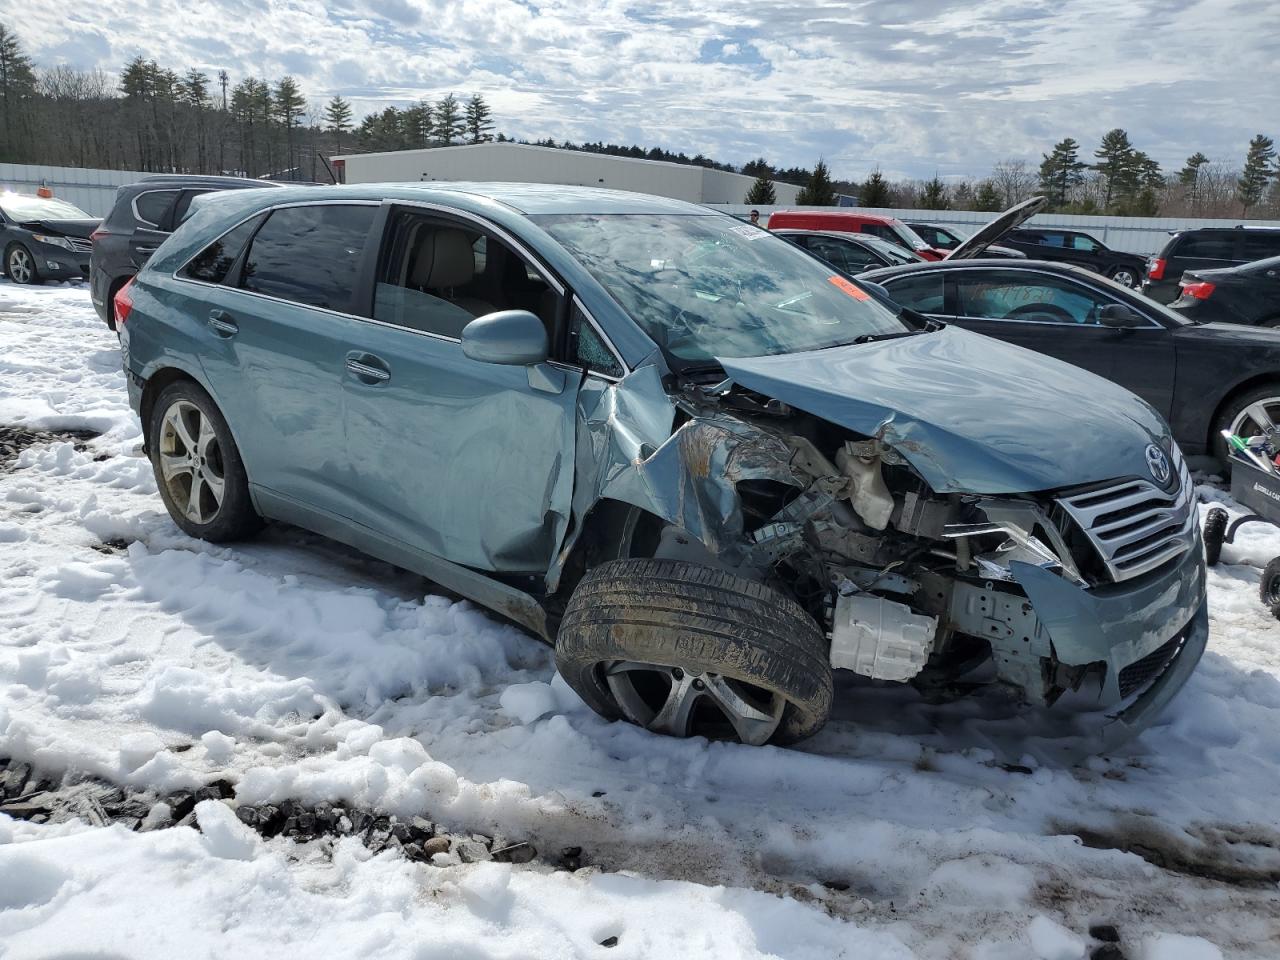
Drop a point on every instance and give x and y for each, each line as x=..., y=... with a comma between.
x=1050, y=309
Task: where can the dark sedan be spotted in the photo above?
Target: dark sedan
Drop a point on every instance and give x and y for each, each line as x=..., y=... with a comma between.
x=851, y=252
x=1203, y=377
x=1080, y=249
x=1248, y=294
x=948, y=239
x=44, y=238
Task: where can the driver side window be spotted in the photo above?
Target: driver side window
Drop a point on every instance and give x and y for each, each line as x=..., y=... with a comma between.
x=1025, y=297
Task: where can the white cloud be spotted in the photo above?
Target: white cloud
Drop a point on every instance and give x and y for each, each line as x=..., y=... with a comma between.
x=913, y=87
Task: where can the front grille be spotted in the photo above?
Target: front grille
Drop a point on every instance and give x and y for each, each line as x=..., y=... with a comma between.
x=81, y=246
x=1142, y=672
x=1133, y=524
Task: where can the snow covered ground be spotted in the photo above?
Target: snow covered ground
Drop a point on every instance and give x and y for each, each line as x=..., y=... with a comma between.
x=298, y=669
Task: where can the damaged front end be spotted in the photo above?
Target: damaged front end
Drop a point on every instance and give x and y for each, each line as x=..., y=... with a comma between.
x=1096, y=589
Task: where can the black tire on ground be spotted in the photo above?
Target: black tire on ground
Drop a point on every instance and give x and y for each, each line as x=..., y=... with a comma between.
x=12, y=257
x=1269, y=587
x=701, y=620
x=235, y=517
x=1215, y=531
x=1229, y=411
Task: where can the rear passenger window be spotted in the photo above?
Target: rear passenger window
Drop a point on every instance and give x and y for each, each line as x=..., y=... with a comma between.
x=922, y=292
x=309, y=254
x=1260, y=246
x=152, y=207
x=1206, y=246
x=214, y=262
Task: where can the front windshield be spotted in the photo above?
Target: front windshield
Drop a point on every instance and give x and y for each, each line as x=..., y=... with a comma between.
x=892, y=252
x=709, y=286
x=21, y=209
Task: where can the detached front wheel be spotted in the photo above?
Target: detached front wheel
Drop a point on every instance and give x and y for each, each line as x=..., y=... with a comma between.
x=689, y=650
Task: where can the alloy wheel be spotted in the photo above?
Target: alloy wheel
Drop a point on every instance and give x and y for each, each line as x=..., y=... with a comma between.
x=1259, y=417
x=21, y=268
x=191, y=462
x=1125, y=277
x=682, y=703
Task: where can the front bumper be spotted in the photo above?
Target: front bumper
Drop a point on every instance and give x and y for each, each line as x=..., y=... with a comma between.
x=55, y=263
x=1149, y=633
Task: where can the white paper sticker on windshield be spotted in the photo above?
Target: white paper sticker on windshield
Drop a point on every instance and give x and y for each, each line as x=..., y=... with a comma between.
x=750, y=232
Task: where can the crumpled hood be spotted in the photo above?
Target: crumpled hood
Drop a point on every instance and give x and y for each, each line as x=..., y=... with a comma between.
x=64, y=228
x=971, y=414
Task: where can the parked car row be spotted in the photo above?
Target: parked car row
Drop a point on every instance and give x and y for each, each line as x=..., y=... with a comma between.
x=703, y=464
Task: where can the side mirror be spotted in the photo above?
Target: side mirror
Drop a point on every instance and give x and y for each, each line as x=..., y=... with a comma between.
x=1120, y=317
x=512, y=337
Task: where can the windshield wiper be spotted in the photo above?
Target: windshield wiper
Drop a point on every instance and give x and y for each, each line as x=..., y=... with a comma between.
x=875, y=337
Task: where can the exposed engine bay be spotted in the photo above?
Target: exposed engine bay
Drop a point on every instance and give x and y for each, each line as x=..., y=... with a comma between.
x=911, y=586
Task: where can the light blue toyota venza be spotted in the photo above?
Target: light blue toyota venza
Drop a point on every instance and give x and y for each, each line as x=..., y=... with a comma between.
x=707, y=469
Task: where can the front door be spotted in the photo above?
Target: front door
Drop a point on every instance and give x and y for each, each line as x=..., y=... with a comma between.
x=470, y=461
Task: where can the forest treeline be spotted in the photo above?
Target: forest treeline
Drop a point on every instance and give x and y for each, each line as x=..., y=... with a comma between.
x=155, y=118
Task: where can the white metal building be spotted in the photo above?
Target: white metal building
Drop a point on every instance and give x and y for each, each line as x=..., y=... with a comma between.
x=521, y=163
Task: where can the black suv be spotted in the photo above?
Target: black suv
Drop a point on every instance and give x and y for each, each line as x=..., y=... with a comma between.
x=1210, y=248
x=1072, y=246
x=144, y=215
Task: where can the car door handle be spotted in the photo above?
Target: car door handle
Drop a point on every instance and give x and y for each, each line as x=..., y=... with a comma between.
x=367, y=368
x=147, y=251
x=222, y=324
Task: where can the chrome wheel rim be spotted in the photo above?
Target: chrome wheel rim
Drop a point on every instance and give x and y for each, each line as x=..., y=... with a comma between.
x=191, y=462
x=1257, y=418
x=1125, y=277
x=684, y=703
x=21, y=268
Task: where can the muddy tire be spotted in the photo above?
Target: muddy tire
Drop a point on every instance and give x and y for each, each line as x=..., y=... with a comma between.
x=1215, y=533
x=197, y=466
x=745, y=662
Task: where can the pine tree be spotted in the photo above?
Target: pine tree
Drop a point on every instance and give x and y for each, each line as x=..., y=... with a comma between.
x=417, y=126
x=817, y=192
x=962, y=196
x=758, y=167
x=1256, y=173
x=193, y=88
x=1116, y=163
x=337, y=115
x=1061, y=170
x=875, y=192
x=761, y=193
x=934, y=195
x=1189, y=175
x=17, y=86
x=988, y=197
x=478, y=120
x=288, y=104
x=449, y=121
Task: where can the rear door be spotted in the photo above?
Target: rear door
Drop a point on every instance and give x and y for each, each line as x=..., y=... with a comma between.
x=152, y=213
x=275, y=335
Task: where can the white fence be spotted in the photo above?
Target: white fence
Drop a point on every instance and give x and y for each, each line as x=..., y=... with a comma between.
x=93, y=191
x=1142, y=235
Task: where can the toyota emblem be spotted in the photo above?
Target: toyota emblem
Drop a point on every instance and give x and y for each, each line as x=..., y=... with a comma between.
x=1158, y=464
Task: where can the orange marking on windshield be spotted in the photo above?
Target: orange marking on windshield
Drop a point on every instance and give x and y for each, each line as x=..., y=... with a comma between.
x=852, y=289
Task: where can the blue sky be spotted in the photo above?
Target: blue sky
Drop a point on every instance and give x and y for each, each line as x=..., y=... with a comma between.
x=910, y=86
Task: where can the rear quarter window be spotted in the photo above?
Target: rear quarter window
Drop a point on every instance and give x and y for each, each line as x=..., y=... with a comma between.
x=152, y=206
x=213, y=263
x=1260, y=246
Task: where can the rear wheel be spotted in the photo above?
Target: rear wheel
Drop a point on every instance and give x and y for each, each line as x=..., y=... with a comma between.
x=1126, y=276
x=20, y=265
x=197, y=466
x=688, y=650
